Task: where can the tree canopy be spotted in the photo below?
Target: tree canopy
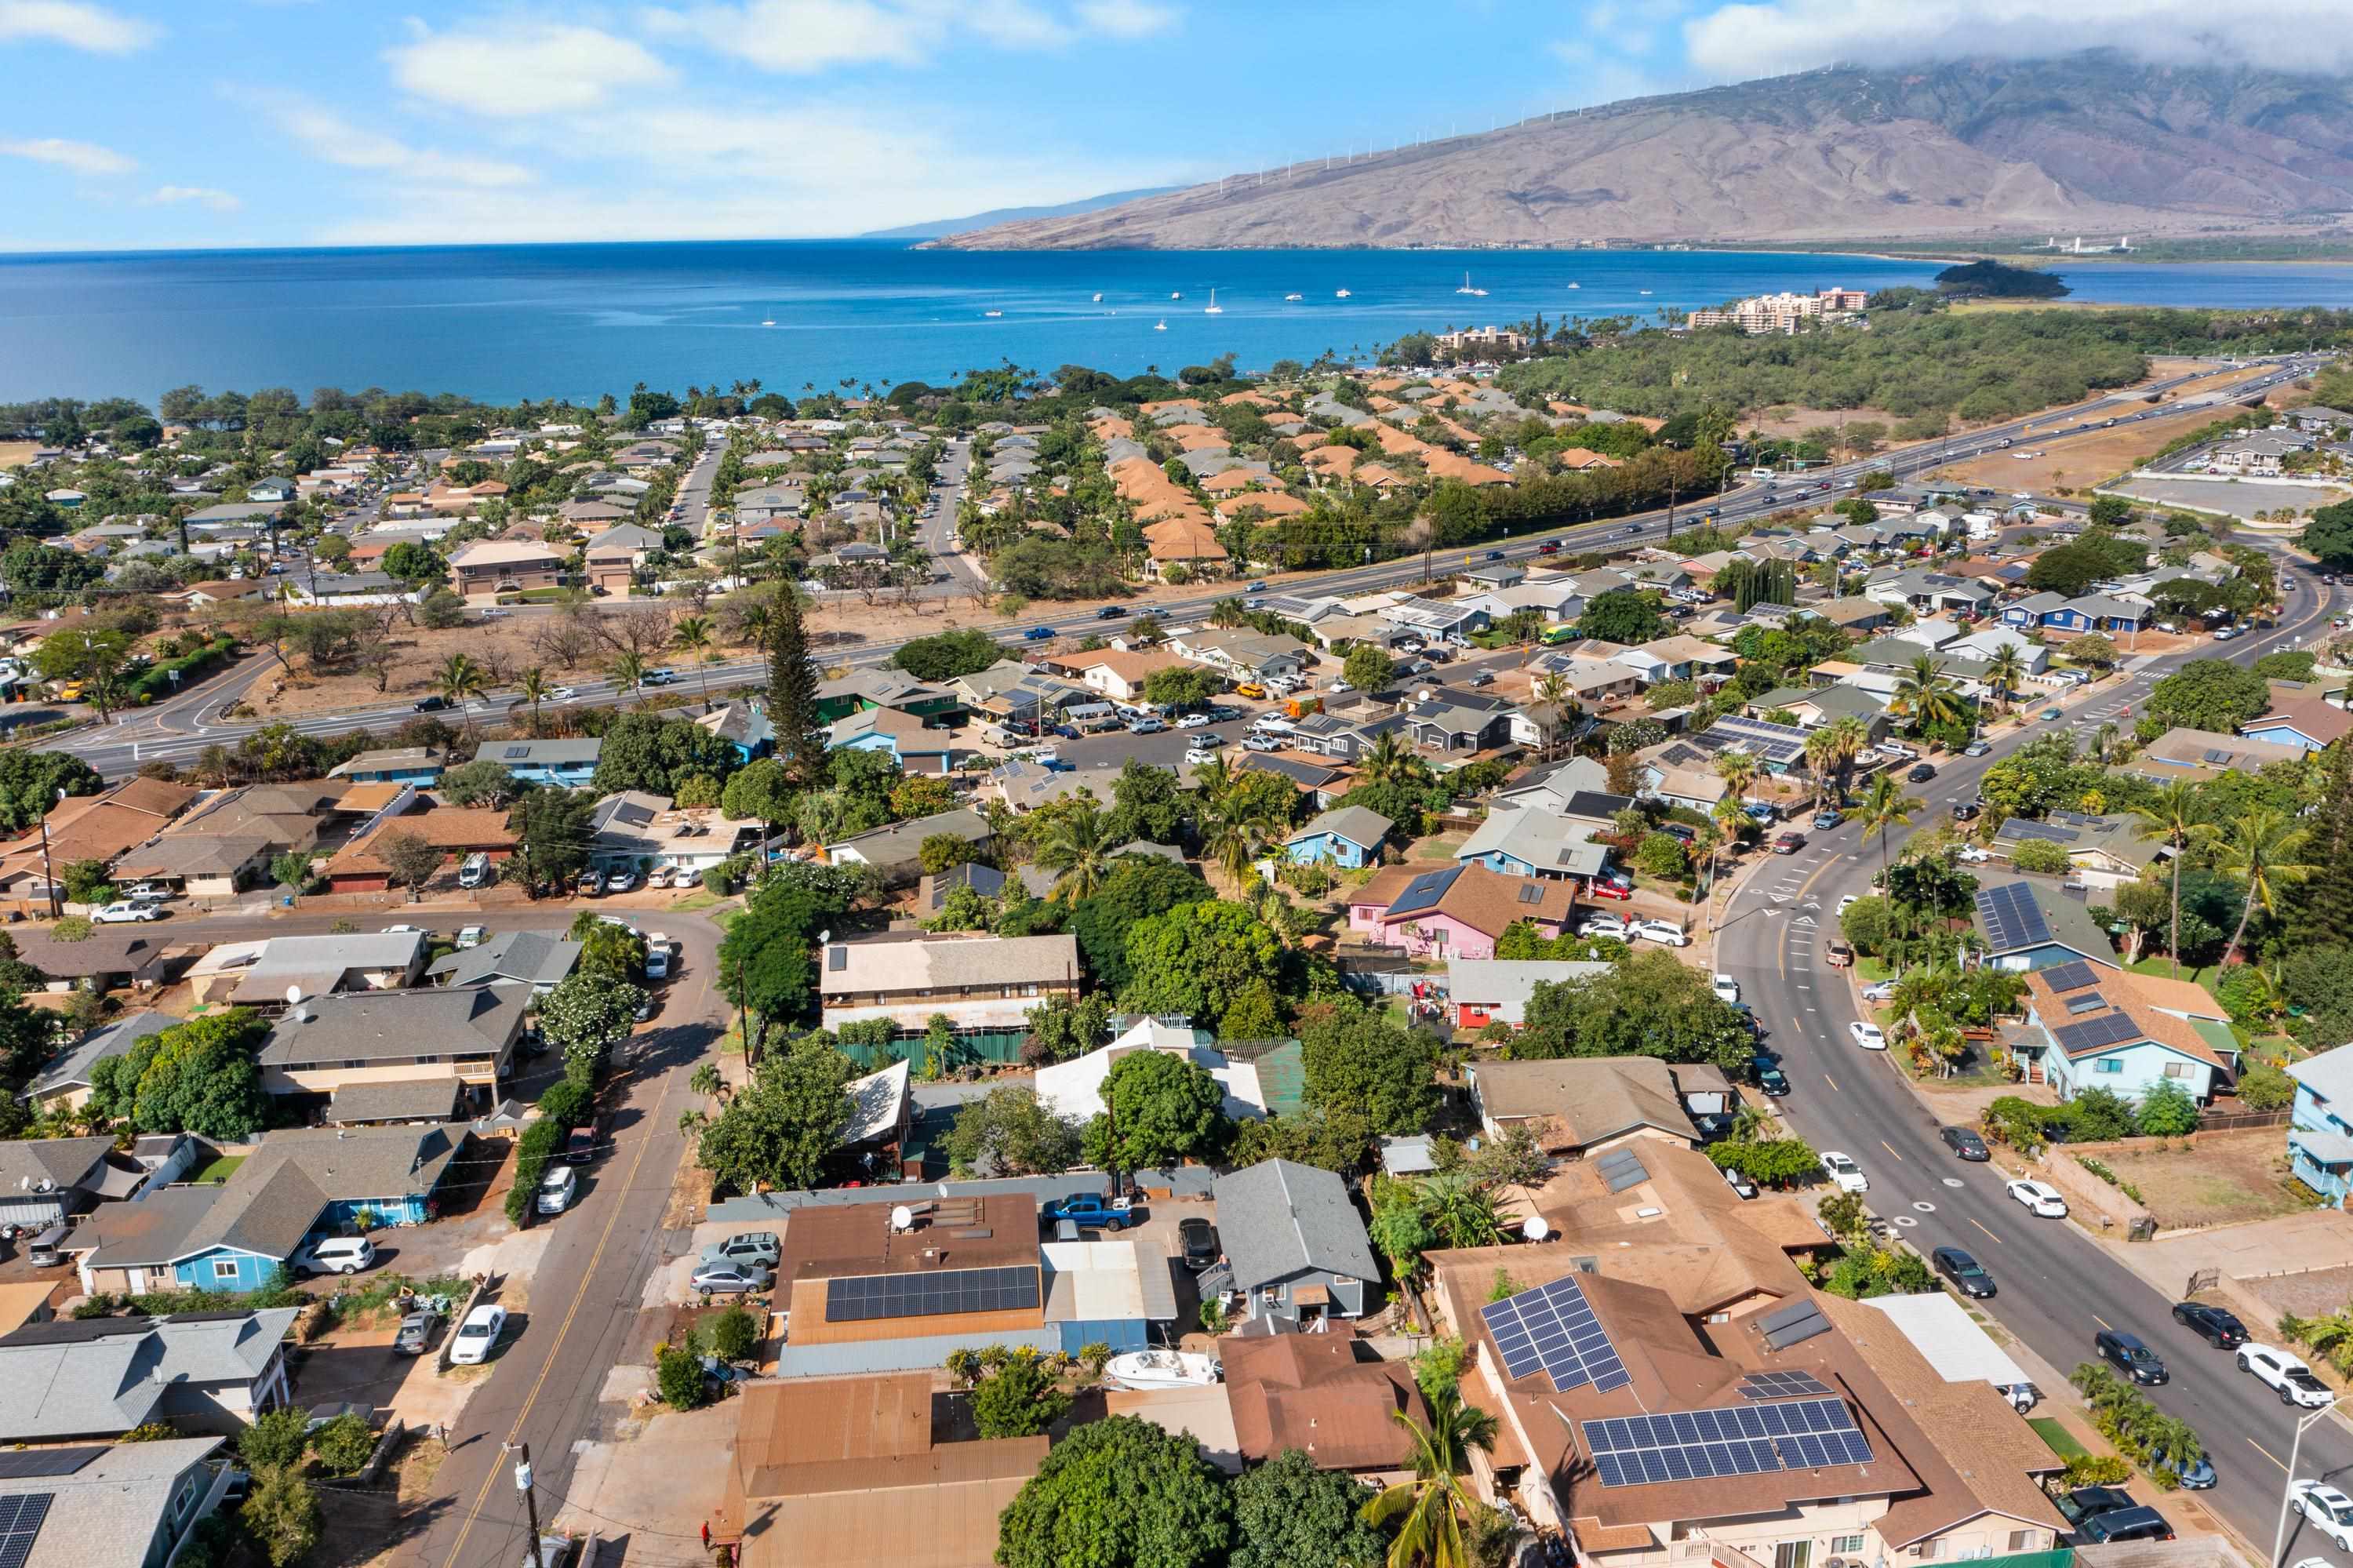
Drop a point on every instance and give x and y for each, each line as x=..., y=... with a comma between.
x=1119, y=1493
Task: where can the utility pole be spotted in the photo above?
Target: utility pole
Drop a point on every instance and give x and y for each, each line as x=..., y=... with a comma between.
x=48, y=876
x=529, y=1502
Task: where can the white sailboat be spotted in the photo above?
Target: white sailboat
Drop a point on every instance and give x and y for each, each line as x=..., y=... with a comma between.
x=1213, y=308
x=1175, y=295
x=1162, y=1369
x=1293, y=297
x=1099, y=297
x=1467, y=289
x=1646, y=291
x=992, y=313
x=1159, y=326
x=1577, y=285
x=1339, y=293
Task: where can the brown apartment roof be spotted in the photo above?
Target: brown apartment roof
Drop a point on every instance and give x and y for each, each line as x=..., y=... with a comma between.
x=1587, y=1099
x=1309, y=1391
x=1488, y=901
x=995, y=1232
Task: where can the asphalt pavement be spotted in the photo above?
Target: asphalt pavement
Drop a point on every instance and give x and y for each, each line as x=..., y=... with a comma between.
x=2056, y=1285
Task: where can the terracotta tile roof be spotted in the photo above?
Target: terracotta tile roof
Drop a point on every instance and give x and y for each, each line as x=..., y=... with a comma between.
x=1309, y=1391
x=2124, y=997
x=1270, y=502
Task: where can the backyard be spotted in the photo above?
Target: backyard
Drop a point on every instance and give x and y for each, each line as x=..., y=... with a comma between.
x=2220, y=1181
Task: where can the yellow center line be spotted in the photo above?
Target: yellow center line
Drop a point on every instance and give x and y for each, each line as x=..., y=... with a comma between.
x=1996, y=1240
x=1889, y=1146
x=562, y=1331
x=2266, y=1453
x=2103, y=1322
x=1831, y=1082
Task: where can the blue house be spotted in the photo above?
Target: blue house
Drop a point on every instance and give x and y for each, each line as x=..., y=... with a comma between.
x=567, y=763
x=743, y=725
x=2087, y=1027
x=417, y=764
x=2311, y=724
x=2028, y=613
x=2320, y=1125
x=905, y=739
x=2028, y=925
x=2096, y=612
x=1347, y=836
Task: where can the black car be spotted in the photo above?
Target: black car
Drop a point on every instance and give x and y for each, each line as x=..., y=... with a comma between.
x=2085, y=1502
x=1966, y=1143
x=2125, y=1524
x=1968, y=1275
x=1111, y=612
x=1921, y=772
x=429, y=705
x=1966, y=811
x=1767, y=1076
x=2219, y=1328
x=2126, y=1353
x=1200, y=1239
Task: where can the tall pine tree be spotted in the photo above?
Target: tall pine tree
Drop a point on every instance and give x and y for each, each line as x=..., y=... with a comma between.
x=792, y=694
x=2324, y=904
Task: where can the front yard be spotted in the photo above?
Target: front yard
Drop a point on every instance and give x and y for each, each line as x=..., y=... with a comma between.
x=2220, y=1180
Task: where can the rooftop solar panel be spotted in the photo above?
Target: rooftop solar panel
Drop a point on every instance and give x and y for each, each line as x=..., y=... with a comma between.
x=2013, y=919
x=865, y=1297
x=2073, y=975
x=22, y=1463
x=2109, y=1029
x=20, y=1523
x=1747, y=1440
x=2049, y=833
x=1552, y=1328
x=1781, y=1385
x=2090, y=1002
x=1630, y=1174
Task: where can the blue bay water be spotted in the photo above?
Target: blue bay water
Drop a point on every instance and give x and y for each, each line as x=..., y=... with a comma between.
x=538, y=321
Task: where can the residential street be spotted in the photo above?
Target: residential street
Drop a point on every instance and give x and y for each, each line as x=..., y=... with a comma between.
x=2057, y=1286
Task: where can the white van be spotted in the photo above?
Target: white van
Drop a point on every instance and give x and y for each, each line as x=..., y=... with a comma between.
x=476, y=871
x=1761, y=473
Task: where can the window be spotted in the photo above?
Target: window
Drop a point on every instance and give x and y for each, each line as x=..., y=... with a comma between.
x=2109, y=1065
x=224, y=1269
x=2177, y=1069
x=1846, y=1545
x=1792, y=1553
x=2026, y=1541
x=1929, y=1551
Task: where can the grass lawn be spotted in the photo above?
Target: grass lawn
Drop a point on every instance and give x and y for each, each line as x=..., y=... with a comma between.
x=2055, y=1436
x=693, y=901
x=219, y=1169
x=723, y=918
x=1874, y=970
x=1439, y=847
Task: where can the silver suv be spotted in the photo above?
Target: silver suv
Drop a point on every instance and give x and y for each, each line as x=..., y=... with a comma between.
x=758, y=1248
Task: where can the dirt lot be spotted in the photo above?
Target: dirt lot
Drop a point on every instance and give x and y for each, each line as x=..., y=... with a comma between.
x=376, y=1524
x=2221, y=1181
x=2059, y=465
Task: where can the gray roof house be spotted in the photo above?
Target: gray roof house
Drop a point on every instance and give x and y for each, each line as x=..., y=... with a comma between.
x=467, y=1033
x=45, y=1181
x=2031, y=925
x=124, y=1505
x=897, y=847
x=100, y=1377
x=1296, y=1249
x=527, y=958
x=65, y=1078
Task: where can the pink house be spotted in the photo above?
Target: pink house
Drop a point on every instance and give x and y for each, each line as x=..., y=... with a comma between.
x=1456, y=911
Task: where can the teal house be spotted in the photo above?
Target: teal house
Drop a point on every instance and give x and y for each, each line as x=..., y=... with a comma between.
x=2320, y=1125
x=1346, y=836
x=2090, y=1027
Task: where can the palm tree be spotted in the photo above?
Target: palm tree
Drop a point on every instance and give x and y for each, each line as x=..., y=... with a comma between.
x=1850, y=736
x=2172, y=818
x=692, y=635
x=1217, y=778
x=1461, y=1210
x=2260, y=849
x=1925, y=696
x=1738, y=772
x=1553, y=688
x=532, y=687
x=1232, y=842
x=1227, y=612
x=1387, y=760
x=629, y=671
x=1822, y=760
x=2003, y=673
x=1884, y=809
x=458, y=680
x=1437, y=1510
x=1079, y=846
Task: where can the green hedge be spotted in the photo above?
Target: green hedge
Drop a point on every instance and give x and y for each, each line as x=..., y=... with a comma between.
x=540, y=1143
x=157, y=681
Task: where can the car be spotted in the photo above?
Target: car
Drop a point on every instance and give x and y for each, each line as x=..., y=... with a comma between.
x=645, y=1009
x=1965, y=1144
x=2126, y=1353
x=1968, y=1275
x=1839, y=954
x=2326, y=1509
x=1726, y=988
x=620, y=881
x=2050, y=714
x=660, y=876
x=661, y=677
x=115, y=914
x=474, y=870
x=1148, y=727
x=1258, y=588
x=1870, y=1036
x=477, y=1336
x=2286, y=1375
x=1789, y=843
x=1664, y=932
x=2087, y=1503
x=333, y=1254
x=1094, y=1209
x=1221, y=714
x=428, y=705
x=1193, y=721
x=728, y=1278
x=1920, y=773
x=2198, y=1476
x=1978, y=748
x=1495, y=555
x=563, y=694
x=1683, y=833
x=1738, y=1182
x=1549, y=547
x=1603, y=925
x=1966, y=811
x=1612, y=884
x=1826, y=819
x=2134, y=1523
x=1972, y=854
x=1767, y=1075
x=760, y=1248
x=418, y=1331
x=1849, y=902
x=1879, y=991
x=1195, y=755
x=556, y=1189
x=1844, y=1172
x=2218, y=1328
x=473, y=935
x=1758, y=812
x=1197, y=1238
x=1629, y=533
x=1039, y=634
x=2040, y=1197
x=2227, y=634
x=660, y=953
x=1261, y=743
x=1112, y=612
x=1339, y=688
x=149, y=892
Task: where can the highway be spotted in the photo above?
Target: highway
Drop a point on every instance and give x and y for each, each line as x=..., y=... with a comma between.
x=2056, y=1286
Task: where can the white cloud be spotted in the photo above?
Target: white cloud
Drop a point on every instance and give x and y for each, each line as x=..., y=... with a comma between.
x=328, y=136
x=172, y=196
x=1126, y=18
x=514, y=71
x=82, y=157
x=807, y=36
x=1740, y=41
x=75, y=25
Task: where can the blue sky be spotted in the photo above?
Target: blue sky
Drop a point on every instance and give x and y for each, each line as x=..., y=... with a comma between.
x=144, y=125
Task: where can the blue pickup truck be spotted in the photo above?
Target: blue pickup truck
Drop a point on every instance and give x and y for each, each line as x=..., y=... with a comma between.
x=1093, y=1209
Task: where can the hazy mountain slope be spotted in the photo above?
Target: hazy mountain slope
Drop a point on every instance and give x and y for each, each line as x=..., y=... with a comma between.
x=1012, y=215
x=2090, y=142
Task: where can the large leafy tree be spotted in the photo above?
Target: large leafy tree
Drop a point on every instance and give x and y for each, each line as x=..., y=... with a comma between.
x=1020, y=1399
x=585, y=1016
x=947, y=656
x=1198, y=958
x=1290, y=1514
x=1119, y=1493
x=1623, y=615
x=767, y=964
x=2210, y=694
x=1358, y=1061
x=777, y=1131
x=1160, y=1110
x=551, y=829
x=644, y=751
x=1147, y=804
x=1137, y=888
x=199, y=1076
x=1010, y=1131
x=1650, y=1004
x=30, y=781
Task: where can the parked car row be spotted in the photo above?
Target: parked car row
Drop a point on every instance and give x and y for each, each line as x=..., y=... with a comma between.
x=1664, y=932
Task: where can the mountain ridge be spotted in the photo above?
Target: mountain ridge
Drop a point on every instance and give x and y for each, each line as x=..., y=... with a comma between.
x=1000, y=215
x=2087, y=142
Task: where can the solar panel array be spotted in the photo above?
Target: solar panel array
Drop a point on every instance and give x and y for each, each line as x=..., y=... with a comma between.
x=1427, y=889
x=1621, y=1169
x=2013, y=919
x=2072, y=975
x=1781, y=1385
x=24, y=1464
x=1745, y=1440
x=20, y=1523
x=1552, y=1329
x=2049, y=833
x=2090, y=1002
x=2110, y=1029
x=865, y=1297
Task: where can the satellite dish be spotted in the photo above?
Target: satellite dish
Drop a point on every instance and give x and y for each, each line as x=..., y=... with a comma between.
x=902, y=1218
x=1535, y=1229
x=293, y=995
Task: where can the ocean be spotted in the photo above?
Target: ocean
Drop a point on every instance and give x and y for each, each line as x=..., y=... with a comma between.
x=502, y=323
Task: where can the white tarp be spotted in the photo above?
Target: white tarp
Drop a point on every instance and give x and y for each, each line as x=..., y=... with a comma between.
x=1950, y=1340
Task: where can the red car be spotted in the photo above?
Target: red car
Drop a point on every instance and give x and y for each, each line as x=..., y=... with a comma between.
x=1601, y=889
x=1789, y=843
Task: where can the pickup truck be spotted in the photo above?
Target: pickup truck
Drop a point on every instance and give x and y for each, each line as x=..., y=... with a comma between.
x=2284, y=1375
x=1093, y=1209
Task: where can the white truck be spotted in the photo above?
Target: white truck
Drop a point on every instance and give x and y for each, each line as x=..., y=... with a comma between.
x=2284, y=1375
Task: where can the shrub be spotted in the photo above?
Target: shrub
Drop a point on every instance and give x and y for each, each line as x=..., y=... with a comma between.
x=274, y=1441
x=343, y=1444
x=281, y=1514
x=537, y=1145
x=2040, y=856
x=2167, y=1110
x=679, y=1376
x=735, y=1335
x=1019, y=1400
x=2098, y=1470
x=2264, y=1087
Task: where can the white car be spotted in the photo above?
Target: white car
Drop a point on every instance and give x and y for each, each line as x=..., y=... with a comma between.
x=1879, y=991
x=1726, y=988
x=2286, y=1375
x=1193, y=721
x=473, y=935
x=1662, y=931
x=1603, y=925
x=1849, y=902
x=1868, y=1035
x=659, y=954
x=2041, y=1198
x=2328, y=1510
x=563, y=695
x=1844, y=1172
x=1197, y=756
x=1971, y=855
x=113, y=914
x=1339, y=688
x=477, y=1336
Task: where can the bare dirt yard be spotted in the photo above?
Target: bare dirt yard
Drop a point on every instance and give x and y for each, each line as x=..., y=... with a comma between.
x=2222, y=1181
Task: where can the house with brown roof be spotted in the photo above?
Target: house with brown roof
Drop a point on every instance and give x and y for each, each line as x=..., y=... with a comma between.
x=103, y=826
x=1457, y=911
x=1324, y=1395
x=1583, y=1105
x=1117, y=672
x=225, y=845
x=2087, y=1026
x=456, y=831
x=488, y=567
x=861, y=1472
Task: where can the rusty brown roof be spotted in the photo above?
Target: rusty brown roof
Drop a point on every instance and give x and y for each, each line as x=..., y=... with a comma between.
x=995, y=1232
x=1312, y=1392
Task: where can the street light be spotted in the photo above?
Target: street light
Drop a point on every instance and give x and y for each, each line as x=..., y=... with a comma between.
x=2287, y=1487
